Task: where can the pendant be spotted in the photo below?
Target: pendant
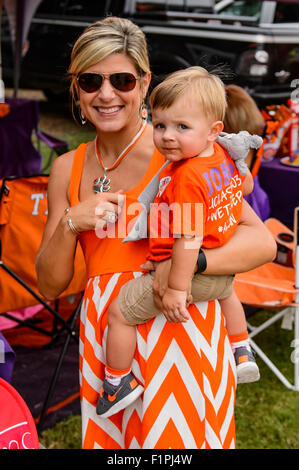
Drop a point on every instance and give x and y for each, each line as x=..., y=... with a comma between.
x=101, y=185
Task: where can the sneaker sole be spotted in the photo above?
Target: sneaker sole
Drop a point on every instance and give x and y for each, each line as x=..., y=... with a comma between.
x=248, y=372
x=126, y=401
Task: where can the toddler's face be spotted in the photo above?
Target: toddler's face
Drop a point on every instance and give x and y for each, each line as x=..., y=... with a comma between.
x=182, y=130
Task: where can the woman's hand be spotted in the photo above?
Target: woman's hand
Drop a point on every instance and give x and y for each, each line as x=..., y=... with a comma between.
x=160, y=284
x=95, y=212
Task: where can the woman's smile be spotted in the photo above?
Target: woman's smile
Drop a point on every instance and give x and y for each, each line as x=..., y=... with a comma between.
x=108, y=111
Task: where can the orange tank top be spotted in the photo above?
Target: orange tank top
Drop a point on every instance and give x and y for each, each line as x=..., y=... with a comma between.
x=103, y=250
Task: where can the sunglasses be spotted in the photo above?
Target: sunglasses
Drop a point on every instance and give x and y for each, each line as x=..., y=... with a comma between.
x=91, y=82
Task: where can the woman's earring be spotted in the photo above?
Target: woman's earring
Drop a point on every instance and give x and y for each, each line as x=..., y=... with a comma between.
x=144, y=113
x=82, y=117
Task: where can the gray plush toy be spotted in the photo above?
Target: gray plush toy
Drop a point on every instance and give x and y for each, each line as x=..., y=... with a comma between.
x=236, y=145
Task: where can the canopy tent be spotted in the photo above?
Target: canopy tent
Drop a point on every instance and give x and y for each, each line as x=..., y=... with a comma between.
x=20, y=13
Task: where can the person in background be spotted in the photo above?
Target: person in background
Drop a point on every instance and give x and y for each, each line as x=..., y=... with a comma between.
x=243, y=114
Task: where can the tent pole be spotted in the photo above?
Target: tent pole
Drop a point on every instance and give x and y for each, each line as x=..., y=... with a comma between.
x=2, y=94
x=296, y=233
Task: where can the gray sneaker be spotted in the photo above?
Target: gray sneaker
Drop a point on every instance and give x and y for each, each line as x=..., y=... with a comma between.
x=113, y=399
x=247, y=368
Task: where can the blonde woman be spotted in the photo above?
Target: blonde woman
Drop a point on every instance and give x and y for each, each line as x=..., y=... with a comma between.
x=183, y=383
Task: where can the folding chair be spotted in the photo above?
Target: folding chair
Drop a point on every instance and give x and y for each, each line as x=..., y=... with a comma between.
x=23, y=143
x=17, y=427
x=276, y=286
x=23, y=214
x=56, y=147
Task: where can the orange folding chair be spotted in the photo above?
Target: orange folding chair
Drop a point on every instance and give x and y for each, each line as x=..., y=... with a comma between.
x=23, y=214
x=276, y=286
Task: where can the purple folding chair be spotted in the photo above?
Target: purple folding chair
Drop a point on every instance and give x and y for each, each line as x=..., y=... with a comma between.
x=18, y=155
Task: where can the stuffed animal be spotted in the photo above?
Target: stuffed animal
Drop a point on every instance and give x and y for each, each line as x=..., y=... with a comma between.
x=236, y=145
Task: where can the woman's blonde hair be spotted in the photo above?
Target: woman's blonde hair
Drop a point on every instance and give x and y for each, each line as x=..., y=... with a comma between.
x=108, y=36
x=242, y=112
x=207, y=88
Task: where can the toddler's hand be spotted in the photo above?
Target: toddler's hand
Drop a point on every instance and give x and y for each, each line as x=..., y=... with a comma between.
x=148, y=266
x=174, y=306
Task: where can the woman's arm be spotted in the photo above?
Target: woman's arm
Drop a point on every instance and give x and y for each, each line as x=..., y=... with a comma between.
x=55, y=258
x=251, y=246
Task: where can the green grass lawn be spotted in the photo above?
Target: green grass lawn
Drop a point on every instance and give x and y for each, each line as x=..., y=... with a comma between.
x=267, y=413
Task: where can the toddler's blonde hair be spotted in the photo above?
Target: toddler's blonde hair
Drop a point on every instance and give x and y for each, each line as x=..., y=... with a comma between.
x=207, y=90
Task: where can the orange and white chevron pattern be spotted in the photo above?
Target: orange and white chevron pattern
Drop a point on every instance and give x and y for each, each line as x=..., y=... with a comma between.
x=187, y=370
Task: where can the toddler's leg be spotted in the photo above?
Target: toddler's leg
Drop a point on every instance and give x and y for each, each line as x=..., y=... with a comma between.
x=234, y=314
x=121, y=339
x=247, y=369
x=120, y=388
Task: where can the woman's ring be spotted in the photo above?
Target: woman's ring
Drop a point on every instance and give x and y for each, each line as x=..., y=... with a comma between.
x=110, y=217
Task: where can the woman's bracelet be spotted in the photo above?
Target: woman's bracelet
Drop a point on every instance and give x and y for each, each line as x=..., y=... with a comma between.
x=70, y=223
x=201, y=262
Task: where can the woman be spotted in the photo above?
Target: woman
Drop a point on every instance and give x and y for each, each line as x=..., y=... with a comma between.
x=187, y=370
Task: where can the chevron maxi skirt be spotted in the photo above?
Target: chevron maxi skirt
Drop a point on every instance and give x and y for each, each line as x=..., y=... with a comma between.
x=187, y=370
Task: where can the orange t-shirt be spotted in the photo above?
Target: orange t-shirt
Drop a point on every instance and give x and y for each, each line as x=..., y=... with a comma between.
x=103, y=250
x=200, y=196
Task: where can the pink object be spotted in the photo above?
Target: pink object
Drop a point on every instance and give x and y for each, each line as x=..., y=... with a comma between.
x=21, y=314
x=17, y=427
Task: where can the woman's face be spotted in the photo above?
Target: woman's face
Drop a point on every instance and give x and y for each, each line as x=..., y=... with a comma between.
x=109, y=109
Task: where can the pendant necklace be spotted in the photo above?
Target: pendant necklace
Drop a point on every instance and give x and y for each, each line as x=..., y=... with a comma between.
x=102, y=184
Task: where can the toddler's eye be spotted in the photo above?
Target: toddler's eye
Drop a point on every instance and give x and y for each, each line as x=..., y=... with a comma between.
x=159, y=125
x=182, y=126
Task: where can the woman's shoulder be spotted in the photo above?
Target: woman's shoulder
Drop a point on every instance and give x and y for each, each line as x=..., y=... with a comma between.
x=60, y=175
x=62, y=165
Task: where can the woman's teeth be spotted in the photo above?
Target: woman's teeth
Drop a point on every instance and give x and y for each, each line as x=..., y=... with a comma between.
x=109, y=110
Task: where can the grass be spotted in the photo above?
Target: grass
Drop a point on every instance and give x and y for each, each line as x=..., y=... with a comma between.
x=267, y=413
x=64, y=435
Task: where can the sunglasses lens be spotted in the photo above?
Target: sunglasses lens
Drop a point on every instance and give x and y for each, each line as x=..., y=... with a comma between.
x=90, y=82
x=123, y=81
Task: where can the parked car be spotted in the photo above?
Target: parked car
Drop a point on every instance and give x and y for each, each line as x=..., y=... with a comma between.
x=256, y=41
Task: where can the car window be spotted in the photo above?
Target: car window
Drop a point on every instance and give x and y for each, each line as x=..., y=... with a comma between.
x=242, y=8
x=88, y=8
x=286, y=12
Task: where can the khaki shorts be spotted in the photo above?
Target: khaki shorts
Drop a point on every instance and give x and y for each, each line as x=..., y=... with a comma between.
x=136, y=299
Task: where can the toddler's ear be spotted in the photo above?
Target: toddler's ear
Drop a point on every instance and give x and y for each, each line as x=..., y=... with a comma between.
x=216, y=128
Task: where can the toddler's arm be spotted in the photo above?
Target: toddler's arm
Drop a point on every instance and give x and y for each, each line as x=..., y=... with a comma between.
x=184, y=256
